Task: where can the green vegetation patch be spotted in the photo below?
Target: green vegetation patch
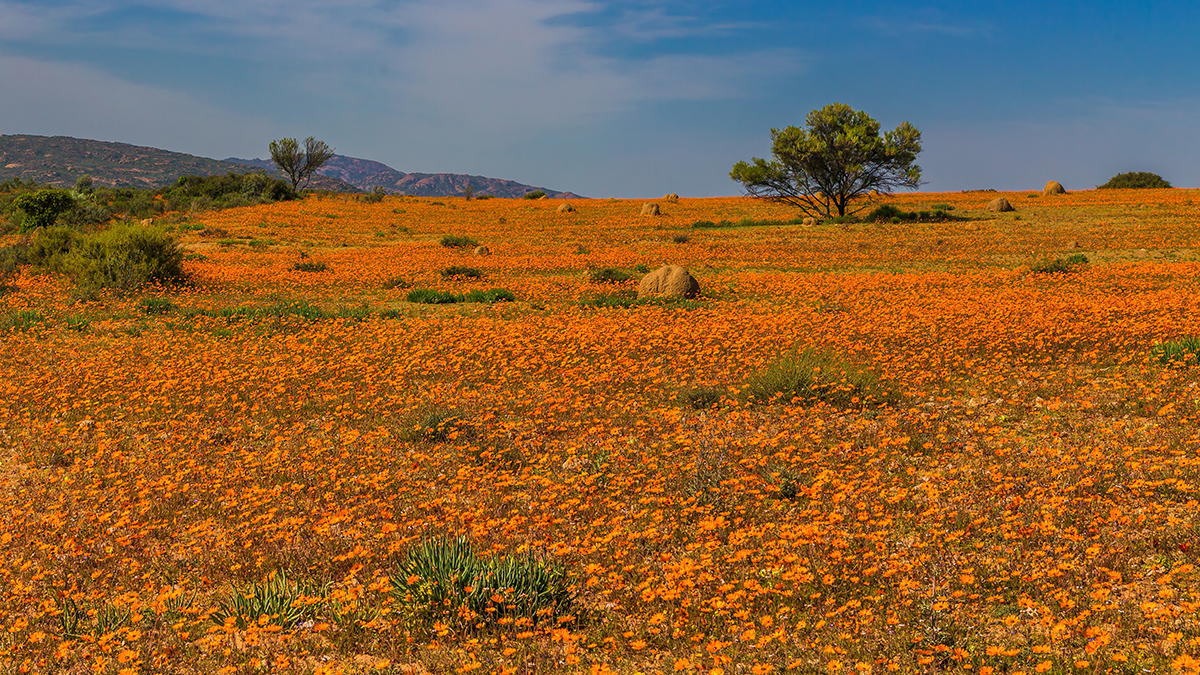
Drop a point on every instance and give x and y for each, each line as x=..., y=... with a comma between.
x=1184, y=351
x=458, y=241
x=1141, y=180
x=811, y=376
x=444, y=581
x=429, y=296
x=1060, y=265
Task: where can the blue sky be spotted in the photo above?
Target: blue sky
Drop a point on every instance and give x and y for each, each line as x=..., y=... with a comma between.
x=614, y=98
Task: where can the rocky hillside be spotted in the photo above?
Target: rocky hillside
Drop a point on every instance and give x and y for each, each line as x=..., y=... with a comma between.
x=60, y=160
x=366, y=174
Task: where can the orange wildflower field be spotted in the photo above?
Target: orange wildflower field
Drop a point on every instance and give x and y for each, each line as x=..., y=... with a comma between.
x=289, y=425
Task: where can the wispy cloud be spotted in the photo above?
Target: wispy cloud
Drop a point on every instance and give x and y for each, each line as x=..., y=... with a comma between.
x=69, y=99
x=500, y=65
x=926, y=23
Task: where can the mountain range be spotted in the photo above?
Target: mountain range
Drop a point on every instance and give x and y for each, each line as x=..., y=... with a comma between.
x=367, y=175
x=59, y=160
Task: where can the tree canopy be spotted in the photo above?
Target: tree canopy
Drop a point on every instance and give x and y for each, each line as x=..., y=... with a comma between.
x=299, y=165
x=43, y=207
x=838, y=156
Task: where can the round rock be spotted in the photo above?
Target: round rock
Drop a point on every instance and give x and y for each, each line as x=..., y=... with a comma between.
x=999, y=205
x=669, y=281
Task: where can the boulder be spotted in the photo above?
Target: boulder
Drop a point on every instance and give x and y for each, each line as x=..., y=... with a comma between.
x=482, y=250
x=651, y=209
x=1054, y=188
x=670, y=197
x=999, y=205
x=809, y=221
x=669, y=281
x=565, y=207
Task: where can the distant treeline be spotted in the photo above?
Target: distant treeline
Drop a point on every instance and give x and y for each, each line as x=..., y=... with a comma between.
x=88, y=204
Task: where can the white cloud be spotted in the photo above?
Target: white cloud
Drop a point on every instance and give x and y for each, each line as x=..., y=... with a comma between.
x=54, y=98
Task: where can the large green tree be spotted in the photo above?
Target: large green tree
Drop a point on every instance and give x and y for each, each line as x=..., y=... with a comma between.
x=299, y=165
x=838, y=156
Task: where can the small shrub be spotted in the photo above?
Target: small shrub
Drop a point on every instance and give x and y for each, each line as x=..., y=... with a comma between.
x=444, y=581
x=429, y=296
x=43, y=207
x=458, y=241
x=1135, y=180
x=534, y=194
x=309, y=266
x=681, y=239
x=27, y=319
x=125, y=258
x=50, y=248
x=892, y=214
x=608, y=275
x=461, y=271
x=1184, y=351
x=1059, y=265
x=811, y=376
x=491, y=296
x=156, y=306
x=276, y=602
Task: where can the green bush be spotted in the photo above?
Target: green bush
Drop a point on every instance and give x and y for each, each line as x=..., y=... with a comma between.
x=1136, y=180
x=1184, y=351
x=51, y=247
x=280, y=601
x=809, y=376
x=124, y=258
x=429, y=296
x=1059, y=265
x=43, y=207
x=26, y=319
x=457, y=241
x=681, y=239
x=445, y=581
x=461, y=271
x=490, y=296
x=608, y=275
x=534, y=194
x=890, y=213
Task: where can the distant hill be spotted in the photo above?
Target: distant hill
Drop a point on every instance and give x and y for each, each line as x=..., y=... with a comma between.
x=366, y=174
x=60, y=160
